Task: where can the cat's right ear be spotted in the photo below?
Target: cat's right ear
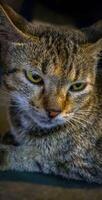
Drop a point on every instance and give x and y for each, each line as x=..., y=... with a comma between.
x=94, y=32
x=13, y=27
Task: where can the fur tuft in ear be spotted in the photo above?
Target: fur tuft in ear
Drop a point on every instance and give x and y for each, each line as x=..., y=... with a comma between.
x=13, y=27
x=96, y=49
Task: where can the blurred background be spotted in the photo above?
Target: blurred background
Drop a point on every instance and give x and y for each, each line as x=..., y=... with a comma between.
x=78, y=12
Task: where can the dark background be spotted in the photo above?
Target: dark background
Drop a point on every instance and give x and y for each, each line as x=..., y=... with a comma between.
x=81, y=13
x=77, y=12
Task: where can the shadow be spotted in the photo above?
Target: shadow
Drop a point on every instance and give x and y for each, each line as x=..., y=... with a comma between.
x=42, y=179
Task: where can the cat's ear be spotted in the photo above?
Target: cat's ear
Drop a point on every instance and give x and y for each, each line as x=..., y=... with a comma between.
x=13, y=27
x=93, y=32
x=95, y=49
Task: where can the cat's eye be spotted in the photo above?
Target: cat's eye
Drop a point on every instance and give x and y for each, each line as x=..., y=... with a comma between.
x=77, y=87
x=34, y=77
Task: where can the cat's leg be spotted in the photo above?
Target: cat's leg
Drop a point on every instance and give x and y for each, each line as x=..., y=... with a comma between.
x=27, y=158
x=5, y=157
x=20, y=158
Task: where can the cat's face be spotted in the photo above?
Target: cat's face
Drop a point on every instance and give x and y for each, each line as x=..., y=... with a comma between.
x=50, y=85
x=50, y=79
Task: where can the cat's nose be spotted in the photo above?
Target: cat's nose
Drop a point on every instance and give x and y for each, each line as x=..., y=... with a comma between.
x=53, y=113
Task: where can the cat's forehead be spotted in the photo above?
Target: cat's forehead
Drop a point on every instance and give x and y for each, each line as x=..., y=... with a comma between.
x=51, y=53
x=50, y=50
x=60, y=57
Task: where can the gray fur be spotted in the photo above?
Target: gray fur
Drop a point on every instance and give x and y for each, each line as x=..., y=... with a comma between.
x=71, y=144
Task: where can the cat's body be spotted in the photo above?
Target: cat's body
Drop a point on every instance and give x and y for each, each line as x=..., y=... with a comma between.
x=54, y=100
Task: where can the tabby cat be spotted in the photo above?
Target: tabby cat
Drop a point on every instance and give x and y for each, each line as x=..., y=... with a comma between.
x=54, y=98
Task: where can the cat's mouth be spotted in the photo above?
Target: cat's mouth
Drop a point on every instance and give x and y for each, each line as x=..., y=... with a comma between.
x=47, y=122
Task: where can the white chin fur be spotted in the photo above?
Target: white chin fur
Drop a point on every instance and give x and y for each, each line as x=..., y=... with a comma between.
x=50, y=123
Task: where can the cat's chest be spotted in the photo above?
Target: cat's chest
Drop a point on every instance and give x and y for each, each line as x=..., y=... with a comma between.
x=62, y=147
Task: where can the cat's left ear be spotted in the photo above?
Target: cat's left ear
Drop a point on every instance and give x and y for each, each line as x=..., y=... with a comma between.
x=13, y=27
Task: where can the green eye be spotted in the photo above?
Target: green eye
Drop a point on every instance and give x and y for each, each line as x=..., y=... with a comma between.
x=76, y=87
x=34, y=78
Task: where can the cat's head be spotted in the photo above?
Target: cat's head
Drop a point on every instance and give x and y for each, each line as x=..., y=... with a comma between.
x=49, y=72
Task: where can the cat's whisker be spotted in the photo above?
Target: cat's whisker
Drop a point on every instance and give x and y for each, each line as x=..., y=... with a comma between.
x=81, y=119
x=87, y=114
x=76, y=120
x=70, y=123
x=87, y=111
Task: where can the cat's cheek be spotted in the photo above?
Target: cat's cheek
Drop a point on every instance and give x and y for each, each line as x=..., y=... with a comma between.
x=69, y=107
x=9, y=84
x=26, y=122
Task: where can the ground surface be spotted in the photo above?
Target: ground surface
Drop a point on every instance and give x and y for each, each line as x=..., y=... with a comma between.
x=25, y=191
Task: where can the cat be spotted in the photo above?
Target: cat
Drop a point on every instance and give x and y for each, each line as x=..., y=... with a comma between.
x=54, y=98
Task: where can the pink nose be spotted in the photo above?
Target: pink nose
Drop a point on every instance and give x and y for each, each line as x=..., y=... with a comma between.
x=53, y=113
